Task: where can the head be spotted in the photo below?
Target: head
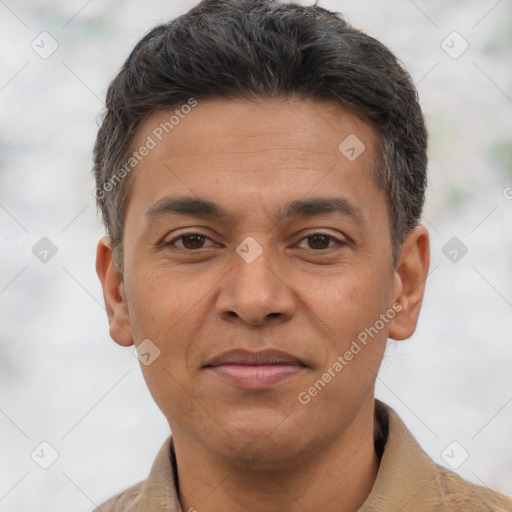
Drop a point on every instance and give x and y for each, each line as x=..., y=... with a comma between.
x=261, y=171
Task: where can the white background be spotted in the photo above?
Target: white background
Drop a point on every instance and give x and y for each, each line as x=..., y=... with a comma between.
x=64, y=381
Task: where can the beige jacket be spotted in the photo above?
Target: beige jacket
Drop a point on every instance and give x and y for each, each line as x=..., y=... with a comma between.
x=408, y=480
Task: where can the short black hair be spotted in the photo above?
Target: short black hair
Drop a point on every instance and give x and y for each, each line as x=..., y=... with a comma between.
x=250, y=49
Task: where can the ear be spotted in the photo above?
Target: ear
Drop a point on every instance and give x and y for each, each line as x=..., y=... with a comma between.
x=113, y=294
x=410, y=277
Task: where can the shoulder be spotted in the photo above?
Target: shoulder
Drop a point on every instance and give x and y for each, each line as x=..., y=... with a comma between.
x=158, y=492
x=410, y=480
x=464, y=496
x=125, y=501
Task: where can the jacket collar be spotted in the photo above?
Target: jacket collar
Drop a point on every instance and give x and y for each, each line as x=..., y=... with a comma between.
x=407, y=478
x=407, y=475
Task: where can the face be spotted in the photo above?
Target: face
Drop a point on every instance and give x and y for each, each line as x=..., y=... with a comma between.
x=248, y=229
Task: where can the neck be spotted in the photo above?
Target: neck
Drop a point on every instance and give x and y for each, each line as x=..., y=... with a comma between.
x=339, y=476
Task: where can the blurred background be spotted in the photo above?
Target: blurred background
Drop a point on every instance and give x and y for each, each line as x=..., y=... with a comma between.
x=76, y=420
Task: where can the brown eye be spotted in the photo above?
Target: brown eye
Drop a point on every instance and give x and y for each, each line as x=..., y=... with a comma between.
x=193, y=241
x=320, y=241
x=189, y=241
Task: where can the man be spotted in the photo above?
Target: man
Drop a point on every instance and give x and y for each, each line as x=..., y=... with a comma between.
x=261, y=171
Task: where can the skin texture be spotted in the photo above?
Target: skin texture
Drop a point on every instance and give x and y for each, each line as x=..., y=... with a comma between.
x=240, y=449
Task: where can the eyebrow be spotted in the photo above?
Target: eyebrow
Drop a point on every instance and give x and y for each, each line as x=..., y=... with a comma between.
x=192, y=206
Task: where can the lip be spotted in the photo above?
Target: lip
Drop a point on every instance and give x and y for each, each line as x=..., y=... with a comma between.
x=267, y=357
x=255, y=370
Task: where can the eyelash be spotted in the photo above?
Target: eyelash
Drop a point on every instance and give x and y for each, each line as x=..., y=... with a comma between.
x=339, y=243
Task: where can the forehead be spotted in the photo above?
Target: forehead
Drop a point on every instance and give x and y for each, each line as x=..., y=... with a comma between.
x=308, y=128
x=244, y=150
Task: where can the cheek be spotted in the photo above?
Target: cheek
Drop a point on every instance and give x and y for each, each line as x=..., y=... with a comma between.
x=347, y=303
x=144, y=303
x=161, y=313
x=157, y=302
x=169, y=308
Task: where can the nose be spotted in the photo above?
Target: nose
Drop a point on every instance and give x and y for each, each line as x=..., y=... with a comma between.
x=255, y=292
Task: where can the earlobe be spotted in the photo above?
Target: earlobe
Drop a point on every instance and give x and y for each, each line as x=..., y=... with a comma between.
x=113, y=294
x=410, y=275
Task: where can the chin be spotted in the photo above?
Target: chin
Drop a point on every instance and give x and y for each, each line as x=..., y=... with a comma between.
x=262, y=442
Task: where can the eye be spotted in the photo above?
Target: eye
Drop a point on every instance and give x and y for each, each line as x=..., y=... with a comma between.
x=195, y=240
x=319, y=240
x=190, y=241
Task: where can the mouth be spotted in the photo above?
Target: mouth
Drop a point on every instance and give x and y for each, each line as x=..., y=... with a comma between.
x=255, y=370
